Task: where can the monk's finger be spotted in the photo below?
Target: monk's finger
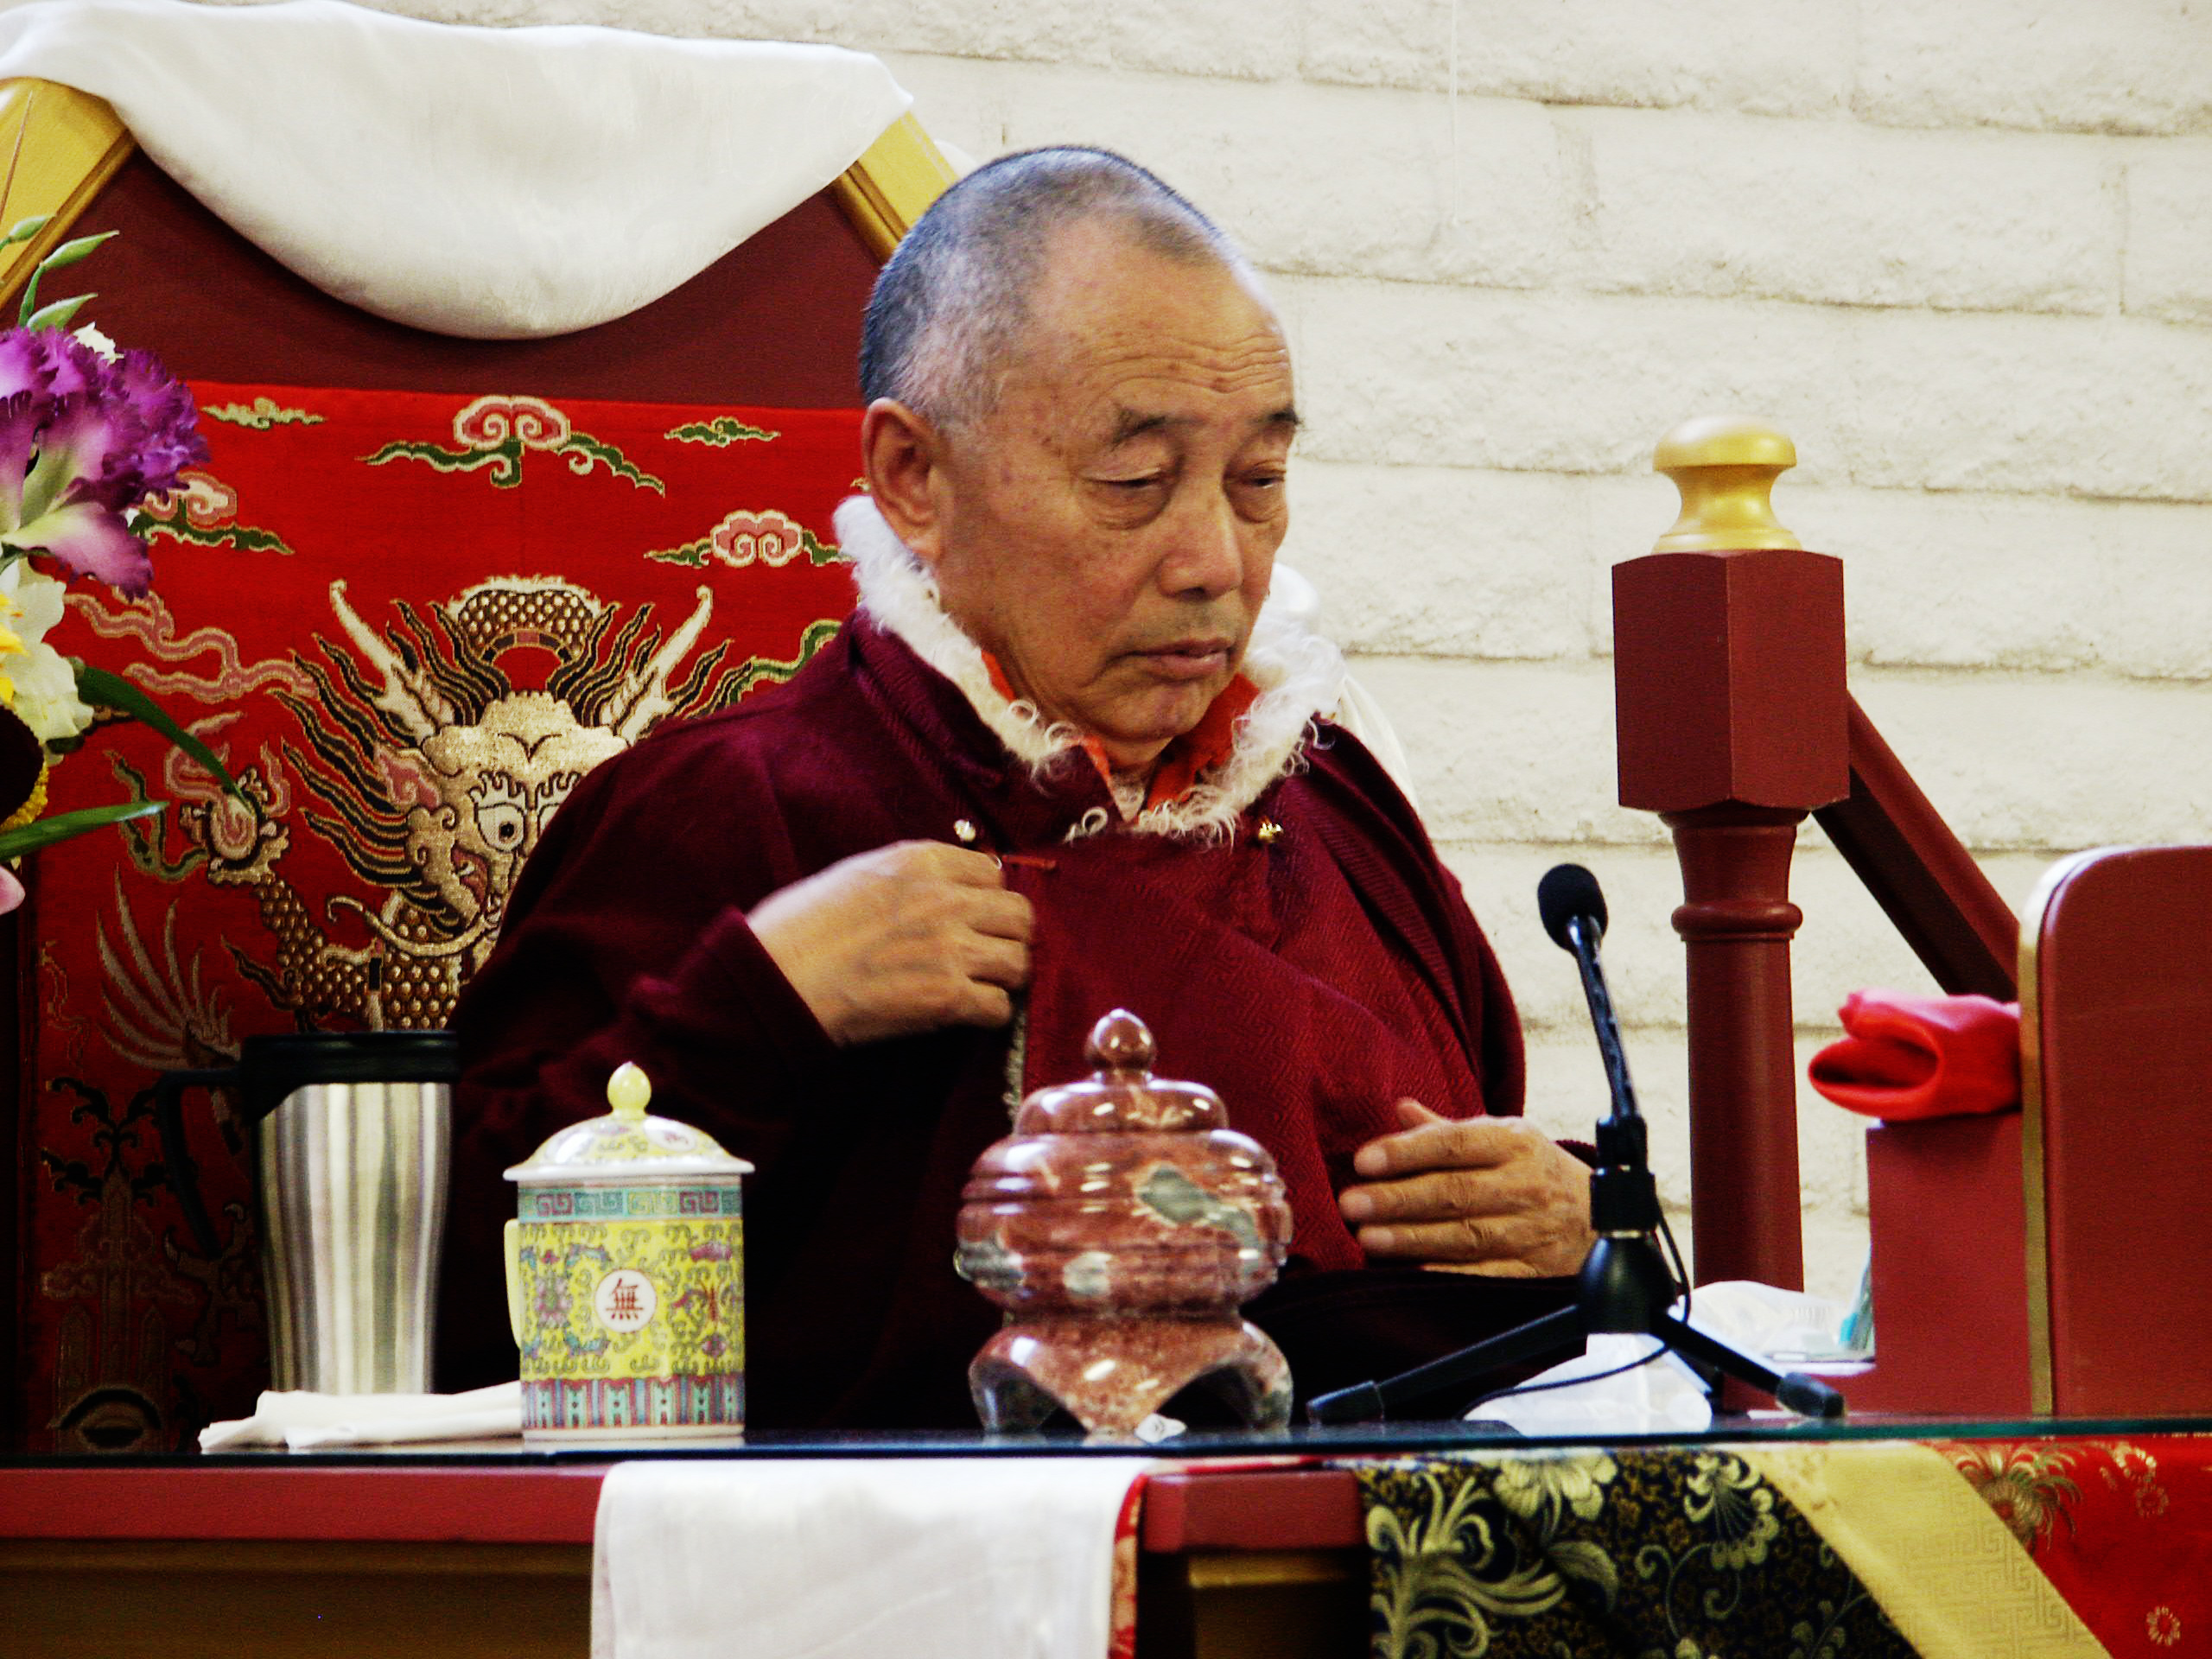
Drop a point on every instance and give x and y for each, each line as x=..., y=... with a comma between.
x=964, y=865
x=1505, y=1267
x=1412, y=1115
x=1447, y=1143
x=997, y=962
x=1468, y=1238
x=982, y=1005
x=1001, y=914
x=1441, y=1195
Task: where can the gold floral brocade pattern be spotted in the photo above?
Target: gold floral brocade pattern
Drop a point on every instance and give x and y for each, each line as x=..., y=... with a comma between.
x=2121, y=1528
x=2027, y=1486
x=1662, y=1554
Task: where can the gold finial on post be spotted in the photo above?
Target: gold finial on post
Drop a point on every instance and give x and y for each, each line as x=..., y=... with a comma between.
x=1725, y=466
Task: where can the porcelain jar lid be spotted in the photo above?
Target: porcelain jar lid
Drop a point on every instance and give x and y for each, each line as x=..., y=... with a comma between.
x=626, y=1146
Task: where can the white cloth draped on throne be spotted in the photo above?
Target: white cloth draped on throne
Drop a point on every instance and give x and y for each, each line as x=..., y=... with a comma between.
x=485, y=182
x=854, y=1558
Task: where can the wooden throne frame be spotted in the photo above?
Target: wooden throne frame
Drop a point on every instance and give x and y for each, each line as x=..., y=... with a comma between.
x=2051, y=1260
x=775, y=322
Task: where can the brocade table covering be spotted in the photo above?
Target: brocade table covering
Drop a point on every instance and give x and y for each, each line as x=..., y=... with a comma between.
x=1681, y=1553
x=1812, y=1550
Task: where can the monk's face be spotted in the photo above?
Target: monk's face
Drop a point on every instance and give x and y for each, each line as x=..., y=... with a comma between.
x=1109, y=529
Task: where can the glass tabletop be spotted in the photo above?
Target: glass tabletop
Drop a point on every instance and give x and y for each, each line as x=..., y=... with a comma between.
x=1299, y=1440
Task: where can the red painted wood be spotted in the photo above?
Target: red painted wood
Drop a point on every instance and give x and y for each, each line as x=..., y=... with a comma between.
x=1899, y=847
x=1728, y=680
x=1194, y=1509
x=1733, y=722
x=1736, y=923
x=1252, y=1508
x=1946, y=1209
x=776, y=322
x=2126, y=1039
x=552, y=1505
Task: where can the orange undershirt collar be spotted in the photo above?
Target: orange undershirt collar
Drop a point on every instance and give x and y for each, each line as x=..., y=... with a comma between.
x=1206, y=744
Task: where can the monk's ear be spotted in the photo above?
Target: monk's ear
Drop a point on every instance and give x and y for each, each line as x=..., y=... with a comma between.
x=904, y=455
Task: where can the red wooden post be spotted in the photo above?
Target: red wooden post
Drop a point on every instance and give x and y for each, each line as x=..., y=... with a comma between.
x=1732, y=724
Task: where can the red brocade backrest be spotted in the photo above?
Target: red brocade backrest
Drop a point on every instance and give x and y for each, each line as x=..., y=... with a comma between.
x=420, y=586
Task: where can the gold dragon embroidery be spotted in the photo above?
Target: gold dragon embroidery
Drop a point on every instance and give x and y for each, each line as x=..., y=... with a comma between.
x=432, y=770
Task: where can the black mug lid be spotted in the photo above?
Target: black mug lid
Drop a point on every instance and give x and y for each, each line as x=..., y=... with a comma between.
x=272, y=1067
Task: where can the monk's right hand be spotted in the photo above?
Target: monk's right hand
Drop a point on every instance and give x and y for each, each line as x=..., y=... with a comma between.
x=908, y=938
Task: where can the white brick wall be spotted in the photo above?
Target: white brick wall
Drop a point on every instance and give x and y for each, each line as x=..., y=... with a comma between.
x=1962, y=251
x=2071, y=66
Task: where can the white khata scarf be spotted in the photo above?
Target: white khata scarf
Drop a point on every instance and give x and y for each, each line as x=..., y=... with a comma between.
x=1297, y=673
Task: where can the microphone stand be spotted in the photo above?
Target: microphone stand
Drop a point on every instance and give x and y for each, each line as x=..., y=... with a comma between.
x=1624, y=1287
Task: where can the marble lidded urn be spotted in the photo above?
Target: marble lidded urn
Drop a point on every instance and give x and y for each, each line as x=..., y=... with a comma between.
x=1121, y=1225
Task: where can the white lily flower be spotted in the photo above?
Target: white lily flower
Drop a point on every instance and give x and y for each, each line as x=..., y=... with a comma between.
x=92, y=336
x=44, y=686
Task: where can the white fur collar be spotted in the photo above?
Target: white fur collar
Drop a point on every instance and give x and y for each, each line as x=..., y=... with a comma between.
x=1299, y=674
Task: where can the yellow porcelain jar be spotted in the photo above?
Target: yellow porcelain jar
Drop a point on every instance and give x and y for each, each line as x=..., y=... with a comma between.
x=626, y=1278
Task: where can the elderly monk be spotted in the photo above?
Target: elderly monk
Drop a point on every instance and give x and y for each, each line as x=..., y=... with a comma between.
x=1058, y=761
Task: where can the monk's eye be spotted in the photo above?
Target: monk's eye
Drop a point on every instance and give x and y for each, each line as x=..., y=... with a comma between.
x=1258, y=494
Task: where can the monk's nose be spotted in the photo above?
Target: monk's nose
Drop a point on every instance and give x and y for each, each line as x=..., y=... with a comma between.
x=1207, y=557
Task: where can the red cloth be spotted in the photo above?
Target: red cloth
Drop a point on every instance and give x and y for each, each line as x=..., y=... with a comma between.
x=560, y=572
x=1311, y=979
x=2122, y=1530
x=1905, y=1056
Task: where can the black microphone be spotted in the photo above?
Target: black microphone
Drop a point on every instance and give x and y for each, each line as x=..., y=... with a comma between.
x=1570, y=903
x=1573, y=912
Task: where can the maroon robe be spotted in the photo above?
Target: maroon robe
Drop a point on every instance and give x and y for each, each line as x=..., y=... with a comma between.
x=1312, y=976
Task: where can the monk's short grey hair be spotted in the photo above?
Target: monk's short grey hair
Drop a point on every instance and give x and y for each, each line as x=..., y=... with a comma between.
x=953, y=303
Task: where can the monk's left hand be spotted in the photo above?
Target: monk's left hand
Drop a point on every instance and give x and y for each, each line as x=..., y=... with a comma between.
x=1488, y=1195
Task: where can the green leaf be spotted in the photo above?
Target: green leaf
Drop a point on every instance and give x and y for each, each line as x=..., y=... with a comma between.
x=60, y=313
x=100, y=687
x=64, y=826
x=67, y=254
x=26, y=229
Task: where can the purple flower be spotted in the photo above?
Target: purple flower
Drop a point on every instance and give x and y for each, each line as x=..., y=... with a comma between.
x=25, y=360
x=82, y=441
x=170, y=421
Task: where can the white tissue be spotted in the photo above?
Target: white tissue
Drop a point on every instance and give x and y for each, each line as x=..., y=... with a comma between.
x=1663, y=1397
x=1666, y=1396
x=303, y=1420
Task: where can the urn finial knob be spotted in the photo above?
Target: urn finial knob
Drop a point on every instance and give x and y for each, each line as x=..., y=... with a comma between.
x=1725, y=466
x=1120, y=1042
